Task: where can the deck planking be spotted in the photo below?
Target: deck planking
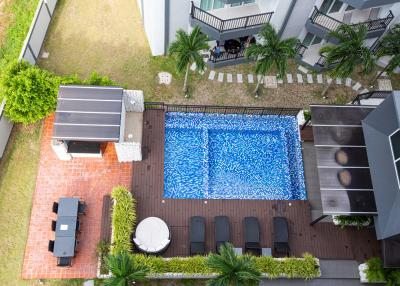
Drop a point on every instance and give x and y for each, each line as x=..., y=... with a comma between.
x=324, y=240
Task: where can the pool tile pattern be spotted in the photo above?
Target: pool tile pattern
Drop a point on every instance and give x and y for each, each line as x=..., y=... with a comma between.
x=218, y=156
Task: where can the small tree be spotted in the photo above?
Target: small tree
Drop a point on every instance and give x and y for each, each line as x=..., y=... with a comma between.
x=124, y=270
x=30, y=92
x=272, y=51
x=342, y=59
x=390, y=47
x=232, y=269
x=186, y=48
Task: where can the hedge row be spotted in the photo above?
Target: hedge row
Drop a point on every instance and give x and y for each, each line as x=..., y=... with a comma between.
x=123, y=219
x=304, y=268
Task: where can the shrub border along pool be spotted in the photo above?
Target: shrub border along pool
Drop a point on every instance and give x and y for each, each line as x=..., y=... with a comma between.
x=306, y=267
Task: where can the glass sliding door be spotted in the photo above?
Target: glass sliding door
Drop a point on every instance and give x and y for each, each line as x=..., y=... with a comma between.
x=206, y=5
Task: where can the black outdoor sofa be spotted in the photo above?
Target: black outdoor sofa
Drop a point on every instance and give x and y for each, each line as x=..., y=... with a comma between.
x=197, y=235
x=252, y=236
x=222, y=231
x=281, y=236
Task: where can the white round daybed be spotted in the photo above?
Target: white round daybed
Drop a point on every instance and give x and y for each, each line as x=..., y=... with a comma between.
x=152, y=235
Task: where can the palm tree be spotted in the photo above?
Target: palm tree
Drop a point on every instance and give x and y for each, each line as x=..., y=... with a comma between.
x=390, y=46
x=232, y=269
x=124, y=270
x=187, y=49
x=342, y=59
x=272, y=51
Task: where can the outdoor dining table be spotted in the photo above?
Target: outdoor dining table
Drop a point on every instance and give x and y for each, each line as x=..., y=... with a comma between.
x=65, y=235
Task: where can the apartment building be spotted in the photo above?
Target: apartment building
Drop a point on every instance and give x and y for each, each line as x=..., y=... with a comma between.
x=232, y=24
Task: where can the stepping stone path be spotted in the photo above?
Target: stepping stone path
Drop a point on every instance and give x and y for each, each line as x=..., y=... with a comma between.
x=229, y=77
x=303, y=69
x=220, y=77
x=310, y=78
x=211, y=76
x=250, y=78
x=329, y=80
x=356, y=86
x=239, y=78
x=338, y=80
x=299, y=78
x=164, y=78
x=289, y=78
x=348, y=82
x=259, y=78
x=320, y=78
x=385, y=84
x=383, y=74
x=364, y=91
x=270, y=82
x=279, y=80
x=193, y=67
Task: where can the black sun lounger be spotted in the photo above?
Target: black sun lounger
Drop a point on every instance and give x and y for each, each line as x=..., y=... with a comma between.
x=252, y=235
x=222, y=231
x=281, y=235
x=197, y=235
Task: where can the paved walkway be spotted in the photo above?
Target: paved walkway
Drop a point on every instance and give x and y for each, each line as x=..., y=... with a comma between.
x=88, y=179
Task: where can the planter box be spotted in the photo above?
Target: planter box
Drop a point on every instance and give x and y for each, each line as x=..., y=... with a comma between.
x=336, y=222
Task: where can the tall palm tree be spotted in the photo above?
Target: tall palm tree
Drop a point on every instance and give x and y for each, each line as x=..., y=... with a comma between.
x=187, y=49
x=232, y=269
x=342, y=59
x=272, y=51
x=390, y=46
x=124, y=270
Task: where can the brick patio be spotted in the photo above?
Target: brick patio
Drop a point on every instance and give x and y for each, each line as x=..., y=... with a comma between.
x=88, y=179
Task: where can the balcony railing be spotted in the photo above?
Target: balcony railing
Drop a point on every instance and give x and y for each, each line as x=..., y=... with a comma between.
x=225, y=56
x=229, y=24
x=327, y=22
x=300, y=49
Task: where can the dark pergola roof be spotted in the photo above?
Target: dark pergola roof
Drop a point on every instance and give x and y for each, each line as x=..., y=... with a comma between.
x=378, y=126
x=88, y=113
x=344, y=175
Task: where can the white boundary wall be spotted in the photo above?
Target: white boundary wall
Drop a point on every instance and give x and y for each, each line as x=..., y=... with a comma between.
x=30, y=52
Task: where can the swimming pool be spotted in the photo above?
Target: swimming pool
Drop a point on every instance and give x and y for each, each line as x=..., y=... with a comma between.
x=216, y=156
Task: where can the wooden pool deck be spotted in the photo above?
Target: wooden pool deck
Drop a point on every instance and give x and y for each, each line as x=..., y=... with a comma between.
x=323, y=240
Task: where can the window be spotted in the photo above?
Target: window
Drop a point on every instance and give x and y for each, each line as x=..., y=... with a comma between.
x=331, y=6
x=207, y=5
x=395, y=144
x=239, y=3
x=311, y=39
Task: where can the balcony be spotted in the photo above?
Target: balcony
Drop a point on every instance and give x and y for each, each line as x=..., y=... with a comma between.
x=227, y=59
x=321, y=24
x=228, y=23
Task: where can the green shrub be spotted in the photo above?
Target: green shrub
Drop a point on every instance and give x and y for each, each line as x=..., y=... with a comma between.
x=306, y=268
x=102, y=250
x=376, y=273
x=31, y=92
x=123, y=219
x=358, y=221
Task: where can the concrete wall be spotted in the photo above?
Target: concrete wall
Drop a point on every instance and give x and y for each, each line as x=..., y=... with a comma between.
x=29, y=52
x=181, y=8
x=153, y=13
x=298, y=18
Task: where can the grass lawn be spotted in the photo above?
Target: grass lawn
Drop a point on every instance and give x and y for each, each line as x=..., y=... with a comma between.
x=94, y=35
x=18, y=170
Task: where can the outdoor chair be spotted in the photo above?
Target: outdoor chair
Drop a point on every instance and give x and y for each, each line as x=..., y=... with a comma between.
x=82, y=208
x=281, y=236
x=252, y=235
x=64, y=261
x=197, y=235
x=55, y=207
x=51, y=246
x=53, y=225
x=222, y=231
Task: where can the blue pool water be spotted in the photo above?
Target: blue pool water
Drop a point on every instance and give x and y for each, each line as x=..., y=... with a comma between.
x=215, y=156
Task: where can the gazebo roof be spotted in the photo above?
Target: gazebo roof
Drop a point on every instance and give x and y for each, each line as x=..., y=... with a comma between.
x=88, y=113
